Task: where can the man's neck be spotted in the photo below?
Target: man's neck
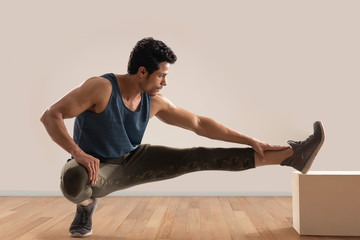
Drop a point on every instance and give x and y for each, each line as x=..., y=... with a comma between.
x=129, y=87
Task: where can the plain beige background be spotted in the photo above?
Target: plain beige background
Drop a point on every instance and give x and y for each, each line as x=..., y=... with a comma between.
x=267, y=69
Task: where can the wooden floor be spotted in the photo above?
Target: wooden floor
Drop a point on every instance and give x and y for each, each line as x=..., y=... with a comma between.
x=154, y=218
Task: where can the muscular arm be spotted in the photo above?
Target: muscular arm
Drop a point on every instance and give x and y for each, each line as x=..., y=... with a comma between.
x=162, y=108
x=88, y=96
x=203, y=126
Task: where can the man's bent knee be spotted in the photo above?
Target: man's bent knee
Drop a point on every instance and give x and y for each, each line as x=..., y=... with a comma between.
x=75, y=182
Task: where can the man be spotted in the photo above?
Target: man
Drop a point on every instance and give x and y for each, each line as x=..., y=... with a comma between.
x=112, y=112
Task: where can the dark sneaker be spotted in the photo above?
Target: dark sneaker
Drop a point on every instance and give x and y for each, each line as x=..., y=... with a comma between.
x=306, y=151
x=82, y=224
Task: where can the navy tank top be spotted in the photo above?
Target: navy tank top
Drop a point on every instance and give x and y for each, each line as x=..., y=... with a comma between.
x=115, y=131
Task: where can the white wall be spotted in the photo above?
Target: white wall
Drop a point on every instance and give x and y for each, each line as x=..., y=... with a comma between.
x=267, y=69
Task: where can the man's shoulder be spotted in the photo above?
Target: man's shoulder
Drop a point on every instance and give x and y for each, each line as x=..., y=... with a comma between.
x=96, y=88
x=158, y=98
x=98, y=91
x=98, y=83
x=160, y=102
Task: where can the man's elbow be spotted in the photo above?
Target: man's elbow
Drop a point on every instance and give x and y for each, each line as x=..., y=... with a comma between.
x=198, y=126
x=44, y=116
x=47, y=115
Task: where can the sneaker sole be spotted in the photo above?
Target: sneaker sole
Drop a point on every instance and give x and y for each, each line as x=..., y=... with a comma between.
x=78, y=235
x=313, y=155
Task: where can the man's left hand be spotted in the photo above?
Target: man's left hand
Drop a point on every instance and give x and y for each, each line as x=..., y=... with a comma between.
x=261, y=147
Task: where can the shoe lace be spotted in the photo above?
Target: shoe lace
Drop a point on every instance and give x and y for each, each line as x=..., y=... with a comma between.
x=309, y=138
x=81, y=218
x=301, y=143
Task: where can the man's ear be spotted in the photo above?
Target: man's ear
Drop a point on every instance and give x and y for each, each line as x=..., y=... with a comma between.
x=142, y=72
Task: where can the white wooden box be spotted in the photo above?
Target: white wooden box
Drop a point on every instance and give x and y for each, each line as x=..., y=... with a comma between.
x=326, y=203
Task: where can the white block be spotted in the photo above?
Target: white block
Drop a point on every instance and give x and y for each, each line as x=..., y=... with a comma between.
x=326, y=203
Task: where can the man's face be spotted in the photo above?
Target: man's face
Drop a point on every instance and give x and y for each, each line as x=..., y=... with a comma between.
x=155, y=82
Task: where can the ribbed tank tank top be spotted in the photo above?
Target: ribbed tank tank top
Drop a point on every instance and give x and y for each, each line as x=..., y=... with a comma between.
x=115, y=131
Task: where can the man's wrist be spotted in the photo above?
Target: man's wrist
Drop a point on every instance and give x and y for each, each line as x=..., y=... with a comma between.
x=76, y=152
x=250, y=141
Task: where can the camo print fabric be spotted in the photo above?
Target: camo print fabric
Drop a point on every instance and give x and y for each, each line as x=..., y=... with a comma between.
x=150, y=163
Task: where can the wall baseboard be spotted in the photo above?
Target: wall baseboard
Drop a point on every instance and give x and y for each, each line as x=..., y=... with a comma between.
x=4, y=193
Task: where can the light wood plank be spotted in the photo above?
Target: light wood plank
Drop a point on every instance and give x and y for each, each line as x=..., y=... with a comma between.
x=168, y=220
x=231, y=220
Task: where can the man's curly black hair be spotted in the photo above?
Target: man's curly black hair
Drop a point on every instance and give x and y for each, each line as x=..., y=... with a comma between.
x=149, y=53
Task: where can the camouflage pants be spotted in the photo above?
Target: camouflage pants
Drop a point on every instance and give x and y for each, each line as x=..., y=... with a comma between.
x=149, y=163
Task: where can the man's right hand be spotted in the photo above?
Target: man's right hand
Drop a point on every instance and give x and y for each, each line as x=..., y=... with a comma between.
x=91, y=164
